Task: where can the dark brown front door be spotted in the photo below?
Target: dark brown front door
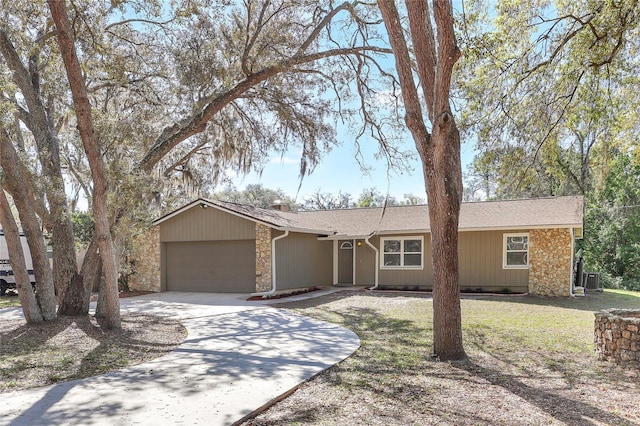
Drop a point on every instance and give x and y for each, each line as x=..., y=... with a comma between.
x=345, y=262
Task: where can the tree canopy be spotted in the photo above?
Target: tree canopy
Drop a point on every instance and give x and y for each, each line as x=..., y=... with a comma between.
x=547, y=87
x=167, y=97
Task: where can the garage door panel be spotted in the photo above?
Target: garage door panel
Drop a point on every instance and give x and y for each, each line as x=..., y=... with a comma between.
x=211, y=266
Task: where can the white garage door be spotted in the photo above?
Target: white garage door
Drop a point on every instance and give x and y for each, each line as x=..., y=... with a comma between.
x=211, y=266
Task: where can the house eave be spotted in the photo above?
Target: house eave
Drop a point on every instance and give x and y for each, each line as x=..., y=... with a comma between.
x=339, y=236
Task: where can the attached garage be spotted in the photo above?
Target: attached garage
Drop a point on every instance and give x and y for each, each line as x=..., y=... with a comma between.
x=211, y=266
x=206, y=250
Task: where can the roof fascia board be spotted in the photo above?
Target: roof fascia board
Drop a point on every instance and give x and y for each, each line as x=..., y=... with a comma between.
x=343, y=237
x=306, y=231
x=178, y=211
x=521, y=228
x=427, y=231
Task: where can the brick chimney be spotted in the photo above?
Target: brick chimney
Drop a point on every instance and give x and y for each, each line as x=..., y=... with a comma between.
x=280, y=206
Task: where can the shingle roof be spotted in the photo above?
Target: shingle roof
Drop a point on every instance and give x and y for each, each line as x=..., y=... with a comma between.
x=514, y=214
x=550, y=212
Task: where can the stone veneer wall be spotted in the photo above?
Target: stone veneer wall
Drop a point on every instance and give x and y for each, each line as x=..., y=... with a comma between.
x=145, y=253
x=617, y=336
x=263, y=258
x=550, y=262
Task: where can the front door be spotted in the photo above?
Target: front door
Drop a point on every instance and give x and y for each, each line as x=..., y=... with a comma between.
x=345, y=262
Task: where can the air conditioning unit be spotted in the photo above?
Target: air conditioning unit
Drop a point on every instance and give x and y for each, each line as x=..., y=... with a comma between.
x=592, y=281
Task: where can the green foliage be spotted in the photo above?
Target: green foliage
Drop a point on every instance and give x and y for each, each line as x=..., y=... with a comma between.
x=612, y=226
x=547, y=86
x=255, y=195
x=83, y=227
x=326, y=201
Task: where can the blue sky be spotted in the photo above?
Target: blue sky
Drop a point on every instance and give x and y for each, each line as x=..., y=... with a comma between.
x=339, y=171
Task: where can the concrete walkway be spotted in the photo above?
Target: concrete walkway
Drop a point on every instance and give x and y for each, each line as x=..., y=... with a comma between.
x=237, y=357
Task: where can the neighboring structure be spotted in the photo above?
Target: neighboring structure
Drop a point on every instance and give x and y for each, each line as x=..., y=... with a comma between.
x=508, y=246
x=7, y=278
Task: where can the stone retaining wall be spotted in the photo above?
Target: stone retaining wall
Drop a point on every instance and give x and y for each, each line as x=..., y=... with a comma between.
x=617, y=336
x=550, y=262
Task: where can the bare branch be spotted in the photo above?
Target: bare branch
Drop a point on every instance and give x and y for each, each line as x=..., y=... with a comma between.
x=250, y=42
x=323, y=24
x=138, y=20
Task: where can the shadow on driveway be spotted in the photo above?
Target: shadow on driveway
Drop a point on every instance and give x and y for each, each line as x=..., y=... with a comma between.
x=234, y=360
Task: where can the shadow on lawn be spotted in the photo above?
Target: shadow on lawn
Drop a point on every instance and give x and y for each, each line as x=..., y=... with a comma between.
x=593, y=301
x=568, y=411
x=394, y=351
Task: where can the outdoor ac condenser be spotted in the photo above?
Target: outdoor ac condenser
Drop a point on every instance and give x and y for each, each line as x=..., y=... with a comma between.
x=592, y=281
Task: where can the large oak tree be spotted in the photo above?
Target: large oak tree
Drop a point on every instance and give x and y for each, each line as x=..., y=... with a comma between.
x=433, y=127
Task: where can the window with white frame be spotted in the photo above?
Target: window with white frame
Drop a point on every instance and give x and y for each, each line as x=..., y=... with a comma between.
x=401, y=252
x=516, y=251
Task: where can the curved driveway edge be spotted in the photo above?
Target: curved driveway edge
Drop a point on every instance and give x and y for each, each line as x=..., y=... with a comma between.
x=237, y=357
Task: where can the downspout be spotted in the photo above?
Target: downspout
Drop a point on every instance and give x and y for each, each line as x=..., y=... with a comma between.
x=268, y=294
x=375, y=280
x=573, y=260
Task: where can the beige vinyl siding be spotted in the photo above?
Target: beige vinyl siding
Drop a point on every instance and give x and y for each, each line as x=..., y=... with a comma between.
x=480, y=265
x=198, y=224
x=411, y=277
x=303, y=261
x=480, y=255
x=365, y=264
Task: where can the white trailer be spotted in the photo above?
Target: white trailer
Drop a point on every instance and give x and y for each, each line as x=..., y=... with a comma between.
x=7, y=279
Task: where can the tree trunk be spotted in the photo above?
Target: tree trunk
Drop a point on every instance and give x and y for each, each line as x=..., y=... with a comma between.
x=101, y=309
x=443, y=173
x=39, y=120
x=30, y=308
x=439, y=151
x=96, y=163
x=65, y=266
x=15, y=178
x=91, y=272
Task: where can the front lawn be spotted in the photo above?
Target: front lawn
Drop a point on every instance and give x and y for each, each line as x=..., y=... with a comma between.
x=531, y=361
x=9, y=301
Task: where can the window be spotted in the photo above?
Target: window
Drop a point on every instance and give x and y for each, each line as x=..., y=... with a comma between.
x=403, y=252
x=516, y=251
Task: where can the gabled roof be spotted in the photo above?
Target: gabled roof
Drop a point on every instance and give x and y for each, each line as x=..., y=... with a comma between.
x=551, y=212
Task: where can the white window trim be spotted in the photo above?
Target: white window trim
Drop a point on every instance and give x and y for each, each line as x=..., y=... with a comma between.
x=401, y=239
x=504, y=250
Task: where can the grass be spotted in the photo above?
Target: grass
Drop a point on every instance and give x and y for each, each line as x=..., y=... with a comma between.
x=531, y=361
x=9, y=301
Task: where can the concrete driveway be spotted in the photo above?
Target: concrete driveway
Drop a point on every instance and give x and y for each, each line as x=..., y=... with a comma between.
x=237, y=357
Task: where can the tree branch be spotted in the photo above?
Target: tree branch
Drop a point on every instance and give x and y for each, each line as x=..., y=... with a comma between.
x=178, y=132
x=413, y=110
x=423, y=39
x=448, y=54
